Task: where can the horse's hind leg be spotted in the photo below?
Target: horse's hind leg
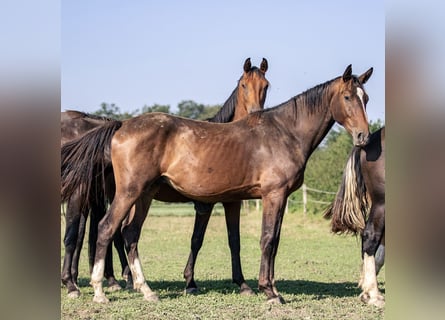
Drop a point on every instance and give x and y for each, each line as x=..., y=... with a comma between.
x=118, y=241
x=199, y=229
x=72, y=220
x=232, y=212
x=131, y=233
x=79, y=244
x=371, y=240
x=97, y=213
x=119, y=209
x=119, y=244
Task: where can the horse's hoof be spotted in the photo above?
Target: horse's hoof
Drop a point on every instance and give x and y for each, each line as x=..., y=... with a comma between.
x=192, y=291
x=129, y=286
x=378, y=301
x=152, y=297
x=276, y=300
x=114, y=287
x=74, y=294
x=246, y=292
x=101, y=299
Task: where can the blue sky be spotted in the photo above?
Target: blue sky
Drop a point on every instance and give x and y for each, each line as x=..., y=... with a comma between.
x=136, y=53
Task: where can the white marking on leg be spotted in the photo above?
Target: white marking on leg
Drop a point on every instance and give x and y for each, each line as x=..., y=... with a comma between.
x=370, y=294
x=98, y=271
x=139, y=281
x=368, y=272
x=136, y=270
x=96, y=281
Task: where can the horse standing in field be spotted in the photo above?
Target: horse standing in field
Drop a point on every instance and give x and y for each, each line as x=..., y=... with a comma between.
x=74, y=124
x=262, y=155
x=363, y=183
x=248, y=96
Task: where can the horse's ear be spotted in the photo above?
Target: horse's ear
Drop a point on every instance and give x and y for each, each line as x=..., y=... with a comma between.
x=247, y=65
x=347, y=75
x=364, y=77
x=264, y=65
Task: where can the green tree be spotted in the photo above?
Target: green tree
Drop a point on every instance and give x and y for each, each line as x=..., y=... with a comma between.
x=108, y=110
x=113, y=111
x=325, y=167
x=156, y=108
x=190, y=109
x=209, y=112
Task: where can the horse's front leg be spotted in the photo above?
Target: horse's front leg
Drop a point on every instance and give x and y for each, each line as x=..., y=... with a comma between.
x=199, y=229
x=232, y=212
x=371, y=240
x=380, y=255
x=273, y=211
x=131, y=231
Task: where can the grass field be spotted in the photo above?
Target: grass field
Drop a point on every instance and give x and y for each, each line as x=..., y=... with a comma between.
x=316, y=273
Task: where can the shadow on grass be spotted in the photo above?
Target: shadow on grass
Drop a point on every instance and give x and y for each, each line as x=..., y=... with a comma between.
x=320, y=290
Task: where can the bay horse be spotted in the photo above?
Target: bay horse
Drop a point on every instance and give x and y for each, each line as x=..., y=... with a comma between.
x=363, y=185
x=262, y=155
x=248, y=96
x=74, y=124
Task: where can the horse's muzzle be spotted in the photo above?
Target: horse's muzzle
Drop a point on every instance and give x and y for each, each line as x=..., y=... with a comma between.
x=360, y=139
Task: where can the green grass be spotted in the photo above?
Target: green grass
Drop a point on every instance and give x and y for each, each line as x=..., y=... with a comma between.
x=316, y=272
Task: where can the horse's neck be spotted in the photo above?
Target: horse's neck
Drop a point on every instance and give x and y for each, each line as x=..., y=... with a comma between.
x=240, y=112
x=312, y=128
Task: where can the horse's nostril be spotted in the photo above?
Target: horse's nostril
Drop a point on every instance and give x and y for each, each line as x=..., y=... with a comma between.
x=360, y=136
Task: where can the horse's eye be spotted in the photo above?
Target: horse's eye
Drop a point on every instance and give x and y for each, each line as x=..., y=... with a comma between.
x=243, y=85
x=347, y=98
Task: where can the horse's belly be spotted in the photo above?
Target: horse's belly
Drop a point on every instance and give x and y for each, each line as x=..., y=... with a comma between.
x=214, y=189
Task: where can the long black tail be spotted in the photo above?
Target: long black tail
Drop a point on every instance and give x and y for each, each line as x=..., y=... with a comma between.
x=84, y=160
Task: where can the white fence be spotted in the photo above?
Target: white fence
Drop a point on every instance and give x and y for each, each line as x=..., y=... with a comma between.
x=305, y=189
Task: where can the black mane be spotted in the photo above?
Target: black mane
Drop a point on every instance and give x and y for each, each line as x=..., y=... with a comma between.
x=227, y=111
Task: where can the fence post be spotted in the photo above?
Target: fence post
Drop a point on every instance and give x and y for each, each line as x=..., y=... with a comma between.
x=257, y=205
x=246, y=206
x=304, y=198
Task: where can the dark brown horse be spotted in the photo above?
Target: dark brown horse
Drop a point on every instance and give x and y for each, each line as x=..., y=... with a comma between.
x=263, y=155
x=363, y=185
x=248, y=96
x=74, y=124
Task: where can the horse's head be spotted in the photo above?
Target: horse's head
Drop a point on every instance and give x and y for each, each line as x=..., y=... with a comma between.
x=252, y=87
x=348, y=105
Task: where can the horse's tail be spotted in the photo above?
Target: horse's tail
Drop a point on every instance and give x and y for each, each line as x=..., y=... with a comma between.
x=84, y=160
x=351, y=205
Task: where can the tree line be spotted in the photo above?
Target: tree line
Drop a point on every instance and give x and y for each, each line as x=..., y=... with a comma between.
x=186, y=108
x=324, y=169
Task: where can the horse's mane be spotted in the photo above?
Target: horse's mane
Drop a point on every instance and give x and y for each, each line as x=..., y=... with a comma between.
x=310, y=101
x=227, y=111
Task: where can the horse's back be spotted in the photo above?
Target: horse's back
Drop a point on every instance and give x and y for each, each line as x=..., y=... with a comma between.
x=74, y=124
x=217, y=156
